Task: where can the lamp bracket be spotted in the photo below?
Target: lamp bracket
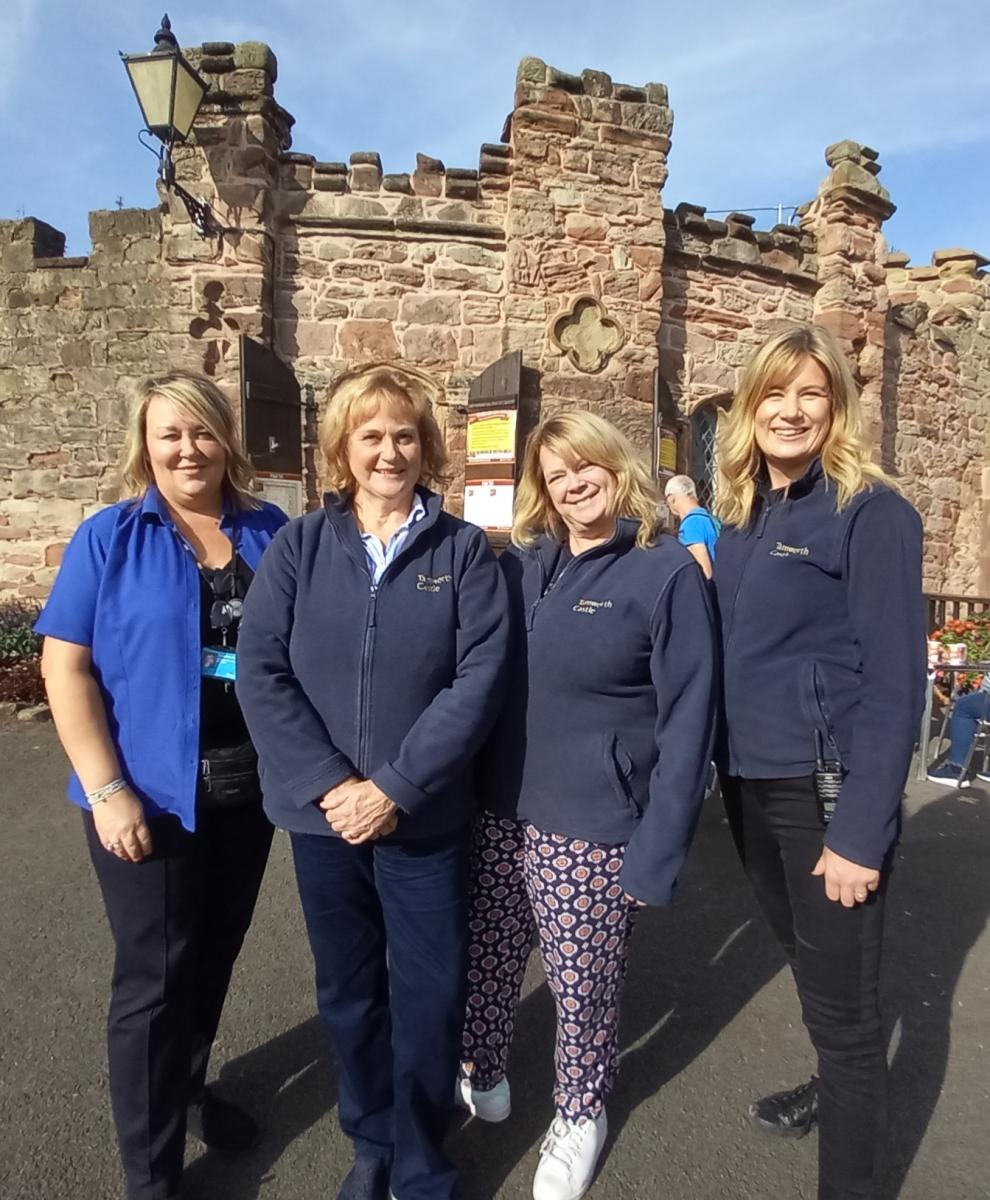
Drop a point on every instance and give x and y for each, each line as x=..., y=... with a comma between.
x=199, y=211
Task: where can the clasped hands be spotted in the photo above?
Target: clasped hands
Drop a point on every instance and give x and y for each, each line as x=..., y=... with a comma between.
x=359, y=810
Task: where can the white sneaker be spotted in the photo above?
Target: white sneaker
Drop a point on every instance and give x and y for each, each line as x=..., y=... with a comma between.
x=493, y=1105
x=568, y=1157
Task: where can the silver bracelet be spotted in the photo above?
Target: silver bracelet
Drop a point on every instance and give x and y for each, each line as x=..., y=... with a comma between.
x=98, y=795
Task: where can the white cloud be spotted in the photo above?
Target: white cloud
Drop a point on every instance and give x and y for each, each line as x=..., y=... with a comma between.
x=758, y=89
x=18, y=24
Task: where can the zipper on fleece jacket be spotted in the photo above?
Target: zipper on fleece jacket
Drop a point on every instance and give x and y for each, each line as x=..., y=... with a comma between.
x=761, y=527
x=545, y=591
x=368, y=643
x=364, y=679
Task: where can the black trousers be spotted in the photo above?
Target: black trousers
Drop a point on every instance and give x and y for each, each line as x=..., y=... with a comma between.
x=834, y=953
x=178, y=921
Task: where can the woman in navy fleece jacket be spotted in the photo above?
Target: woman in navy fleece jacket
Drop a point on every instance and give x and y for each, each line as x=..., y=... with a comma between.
x=819, y=589
x=593, y=780
x=373, y=650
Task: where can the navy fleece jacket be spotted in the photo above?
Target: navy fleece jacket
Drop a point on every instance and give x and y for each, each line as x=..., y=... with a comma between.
x=399, y=683
x=606, y=733
x=823, y=627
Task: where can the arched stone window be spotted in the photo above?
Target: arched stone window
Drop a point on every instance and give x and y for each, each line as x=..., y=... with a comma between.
x=703, y=446
x=704, y=423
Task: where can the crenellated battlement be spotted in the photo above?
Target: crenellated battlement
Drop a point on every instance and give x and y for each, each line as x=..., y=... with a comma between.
x=953, y=263
x=363, y=176
x=732, y=243
x=951, y=296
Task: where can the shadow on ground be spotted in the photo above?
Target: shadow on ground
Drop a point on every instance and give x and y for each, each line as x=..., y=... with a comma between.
x=693, y=968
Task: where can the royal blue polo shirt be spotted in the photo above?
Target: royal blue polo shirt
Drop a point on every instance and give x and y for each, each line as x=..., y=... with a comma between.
x=129, y=589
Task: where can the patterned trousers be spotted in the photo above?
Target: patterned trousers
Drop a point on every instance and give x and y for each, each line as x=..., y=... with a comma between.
x=568, y=891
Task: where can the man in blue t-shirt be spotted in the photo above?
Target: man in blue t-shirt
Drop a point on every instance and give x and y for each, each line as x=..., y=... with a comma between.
x=699, y=530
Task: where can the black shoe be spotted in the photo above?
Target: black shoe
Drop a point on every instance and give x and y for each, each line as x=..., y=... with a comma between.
x=788, y=1114
x=366, y=1180
x=221, y=1125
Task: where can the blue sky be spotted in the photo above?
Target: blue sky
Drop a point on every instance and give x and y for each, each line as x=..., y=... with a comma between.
x=758, y=90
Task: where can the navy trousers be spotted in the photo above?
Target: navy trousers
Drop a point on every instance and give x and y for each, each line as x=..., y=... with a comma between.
x=178, y=921
x=387, y=924
x=834, y=953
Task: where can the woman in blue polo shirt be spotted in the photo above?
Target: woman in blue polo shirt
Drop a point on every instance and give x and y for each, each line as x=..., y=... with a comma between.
x=374, y=647
x=819, y=588
x=139, y=661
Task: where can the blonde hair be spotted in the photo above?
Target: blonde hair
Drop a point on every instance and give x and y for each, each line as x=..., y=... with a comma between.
x=584, y=435
x=358, y=395
x=198, y=399
x=845, y=454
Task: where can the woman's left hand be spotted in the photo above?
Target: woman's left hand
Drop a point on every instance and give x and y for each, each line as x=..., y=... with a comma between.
x=359, y=811
x=846, y=881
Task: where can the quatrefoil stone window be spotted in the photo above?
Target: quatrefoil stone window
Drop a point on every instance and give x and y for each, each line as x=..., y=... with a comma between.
x=587, y=334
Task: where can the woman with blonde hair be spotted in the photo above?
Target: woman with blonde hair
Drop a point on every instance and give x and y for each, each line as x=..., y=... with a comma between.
x=819, y=587
x=374, y=649
x=593, y=780
x=139, y=660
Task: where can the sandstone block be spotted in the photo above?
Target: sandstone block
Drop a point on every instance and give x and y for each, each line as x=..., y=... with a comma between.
x=543, y=121
x=532, y=71
x=472, y=256
x=365, y=177
x=377, y=309
x=385, y=252
x=407, y=276
x=367, y=272
x=461, y=184
x=256, y=56
x=431, y=309
x=77, y=353
x=429, y=345
x=584, y=228
x=34, y=482
x=309, y=339
x=603, y=111
x=330, y=183
x=481, y=311
x=359, y=206
x=847, y=326
x=329, y=310
x=330, y=251
x=467, y=279
x=365, y=339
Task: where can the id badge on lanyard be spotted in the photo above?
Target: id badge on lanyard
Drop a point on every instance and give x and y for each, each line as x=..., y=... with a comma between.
x=219, y=662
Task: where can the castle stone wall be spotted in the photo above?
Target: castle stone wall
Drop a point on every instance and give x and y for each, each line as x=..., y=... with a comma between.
x=556, y=243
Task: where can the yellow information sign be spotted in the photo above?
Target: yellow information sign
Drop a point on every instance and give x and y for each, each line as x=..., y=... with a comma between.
x=491, y=436
x=667, y=453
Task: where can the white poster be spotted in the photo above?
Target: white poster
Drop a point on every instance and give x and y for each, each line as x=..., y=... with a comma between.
x=286, y=493
x=488, y=503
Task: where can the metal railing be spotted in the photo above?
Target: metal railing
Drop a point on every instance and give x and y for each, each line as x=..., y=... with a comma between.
x=942, y=608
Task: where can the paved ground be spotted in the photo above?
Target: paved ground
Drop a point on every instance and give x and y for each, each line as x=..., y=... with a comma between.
x=710, y=1019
